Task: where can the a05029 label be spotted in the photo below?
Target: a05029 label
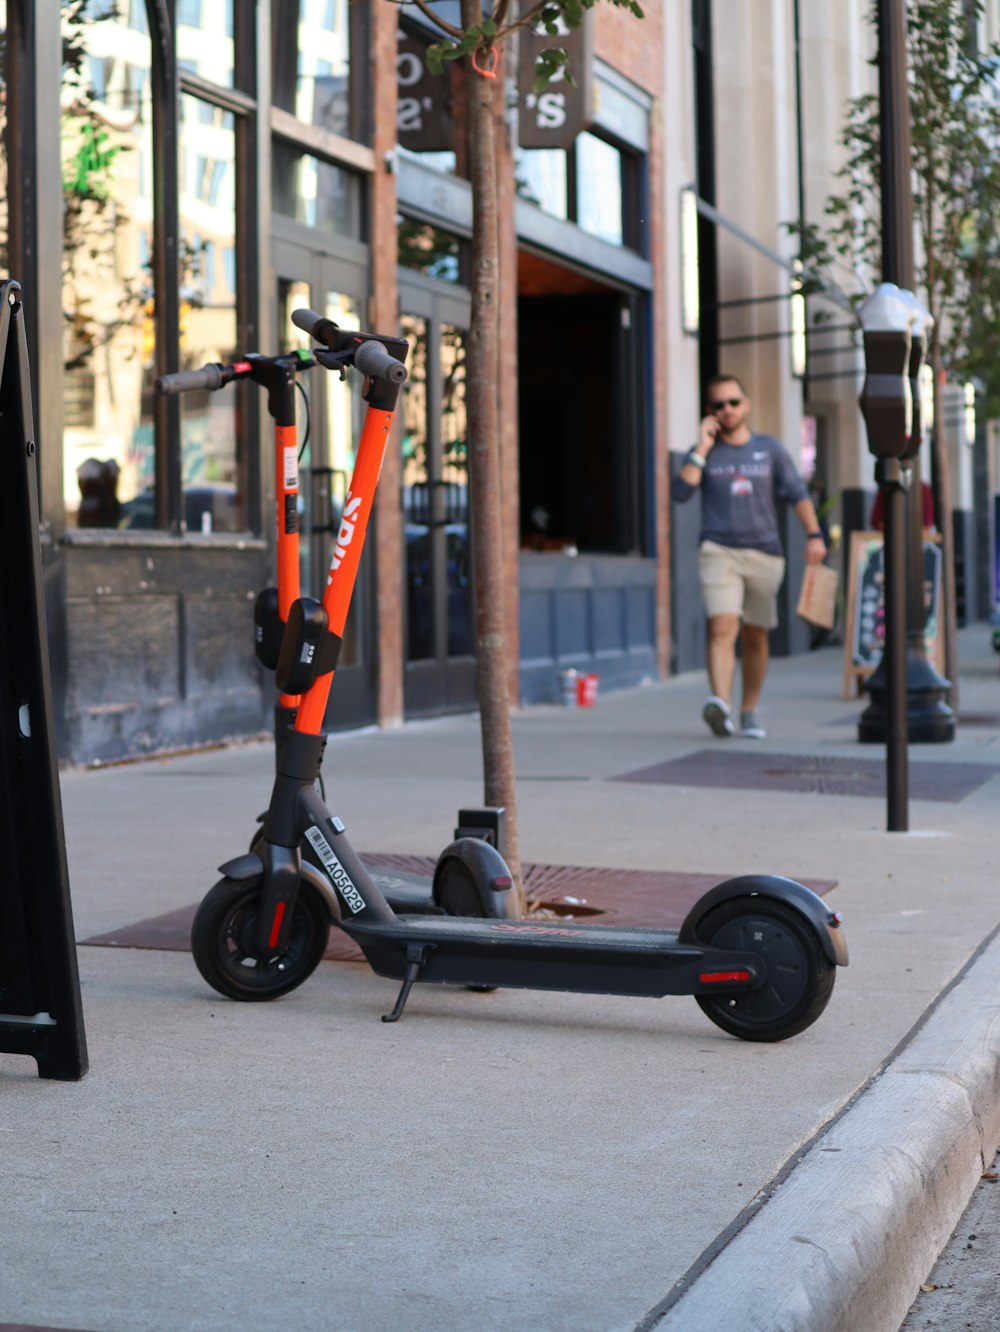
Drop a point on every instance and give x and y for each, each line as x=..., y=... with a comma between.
x=340, y=877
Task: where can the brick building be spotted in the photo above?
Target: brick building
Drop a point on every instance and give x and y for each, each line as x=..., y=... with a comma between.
x=181, y=176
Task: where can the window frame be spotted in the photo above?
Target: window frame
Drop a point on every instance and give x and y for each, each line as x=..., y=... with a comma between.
x=169, y=85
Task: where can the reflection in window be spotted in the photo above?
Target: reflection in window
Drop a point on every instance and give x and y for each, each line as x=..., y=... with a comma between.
x=540, y=175
x=416, y=496
x=599, y=188
x=108, y=340
x=211, y=465
x=343, y=404
x=343, y=414
x=326, y=459
x=429, y=250
x=205, y=39
x=316, y=193
x=455, y=488
x=297, y=295
x=312, y=70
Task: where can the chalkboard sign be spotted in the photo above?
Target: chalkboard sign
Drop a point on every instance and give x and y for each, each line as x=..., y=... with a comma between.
x=864, y=641
x=40, y=1010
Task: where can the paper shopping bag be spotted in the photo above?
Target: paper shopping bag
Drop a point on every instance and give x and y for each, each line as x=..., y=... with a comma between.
x=818, y=598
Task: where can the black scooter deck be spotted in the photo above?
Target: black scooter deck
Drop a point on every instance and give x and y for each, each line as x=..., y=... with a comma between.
x=406, y=891
x=542, y=955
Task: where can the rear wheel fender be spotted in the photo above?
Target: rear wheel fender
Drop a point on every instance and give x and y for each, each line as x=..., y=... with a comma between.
x=797, y=896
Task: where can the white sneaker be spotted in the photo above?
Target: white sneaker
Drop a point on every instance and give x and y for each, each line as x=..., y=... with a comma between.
x=750, y=727
x=716, y=714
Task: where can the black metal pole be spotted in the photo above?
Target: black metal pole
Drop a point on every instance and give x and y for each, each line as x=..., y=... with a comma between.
x=895, y=167
x=897, y=267
x=888, y=473
x=907, y=694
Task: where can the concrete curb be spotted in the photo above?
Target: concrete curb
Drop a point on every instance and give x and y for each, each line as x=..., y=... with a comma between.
x=844, y=1242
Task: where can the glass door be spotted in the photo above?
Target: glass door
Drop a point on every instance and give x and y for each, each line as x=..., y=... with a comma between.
x=440, y=673
x=329, y=427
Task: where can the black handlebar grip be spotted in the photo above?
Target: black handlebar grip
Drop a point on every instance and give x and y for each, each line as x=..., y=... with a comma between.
x=372, y=359
x=208, y=377
x=323, y=330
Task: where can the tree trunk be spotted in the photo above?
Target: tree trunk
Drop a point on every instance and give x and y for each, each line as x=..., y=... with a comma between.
x=482, y=374
x=942, y=495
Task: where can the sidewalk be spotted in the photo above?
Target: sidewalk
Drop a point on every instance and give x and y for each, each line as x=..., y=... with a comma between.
x=525, y=1160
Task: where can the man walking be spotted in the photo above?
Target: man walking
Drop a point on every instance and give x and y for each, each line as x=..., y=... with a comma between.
x=740, y=559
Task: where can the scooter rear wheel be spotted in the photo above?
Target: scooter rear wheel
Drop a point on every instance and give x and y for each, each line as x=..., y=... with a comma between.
x=222, y=941
x=799, y=978
x=458, y=895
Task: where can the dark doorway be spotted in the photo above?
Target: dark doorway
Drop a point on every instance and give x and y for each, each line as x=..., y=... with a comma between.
x=579, y=415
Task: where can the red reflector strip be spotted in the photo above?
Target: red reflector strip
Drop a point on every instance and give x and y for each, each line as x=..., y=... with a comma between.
x=279, y=916
x=500, y=882
x=242, y=367
x=723, y=977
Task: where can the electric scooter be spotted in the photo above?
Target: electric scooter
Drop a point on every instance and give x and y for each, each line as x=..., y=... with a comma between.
x=465, y=867
x=759, y=953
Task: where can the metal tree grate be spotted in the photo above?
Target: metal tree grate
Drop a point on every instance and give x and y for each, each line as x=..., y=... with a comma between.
x=812, y=774
x=655, y=898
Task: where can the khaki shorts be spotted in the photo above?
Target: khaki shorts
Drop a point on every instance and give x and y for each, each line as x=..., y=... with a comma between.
x=741, y=582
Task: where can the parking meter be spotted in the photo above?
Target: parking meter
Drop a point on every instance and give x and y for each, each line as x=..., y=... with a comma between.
x=922, y=321
x=887, y=397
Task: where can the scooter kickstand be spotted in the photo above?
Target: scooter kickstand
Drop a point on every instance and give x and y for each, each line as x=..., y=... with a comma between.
x=416, y=956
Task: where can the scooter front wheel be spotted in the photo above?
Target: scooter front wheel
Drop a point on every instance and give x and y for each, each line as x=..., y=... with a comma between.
x=799, y=978
x=222, y=941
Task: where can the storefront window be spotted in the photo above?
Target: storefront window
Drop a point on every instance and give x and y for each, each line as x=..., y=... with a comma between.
x=416, y=496
x=343, y=407
x=430, y=250
x=316, y=193
x=314, y=77
x=455, y=484
x=108, y=342
x=205, y=39
x=540, y=175
x=211, y=465
x=591, y=184
x=599, y=189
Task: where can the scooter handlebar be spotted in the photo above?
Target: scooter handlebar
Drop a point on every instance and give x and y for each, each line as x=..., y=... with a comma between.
x=323, y=330
x=372, y=359
x=208, y=377
x=368, y=353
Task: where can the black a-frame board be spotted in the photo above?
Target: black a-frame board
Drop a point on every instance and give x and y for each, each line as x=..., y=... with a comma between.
x=40, y=1010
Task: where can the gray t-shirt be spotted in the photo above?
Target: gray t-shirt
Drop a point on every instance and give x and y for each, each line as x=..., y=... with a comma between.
x=739, y=487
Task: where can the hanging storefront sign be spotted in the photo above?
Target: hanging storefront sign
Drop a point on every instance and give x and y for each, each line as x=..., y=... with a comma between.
x=554, y=117
x=424, y=121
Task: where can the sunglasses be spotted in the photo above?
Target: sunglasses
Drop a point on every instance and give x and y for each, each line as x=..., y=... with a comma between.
x=725, y=402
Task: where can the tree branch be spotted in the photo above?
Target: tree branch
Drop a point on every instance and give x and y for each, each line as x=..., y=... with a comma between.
x=526, y=20
x=437, y=20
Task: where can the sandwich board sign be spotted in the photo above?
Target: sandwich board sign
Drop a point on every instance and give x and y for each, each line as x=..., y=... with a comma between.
x=41, y=1013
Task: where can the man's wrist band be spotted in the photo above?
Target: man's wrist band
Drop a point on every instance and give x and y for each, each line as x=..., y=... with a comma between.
x=696, y=458
x=815, y=536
